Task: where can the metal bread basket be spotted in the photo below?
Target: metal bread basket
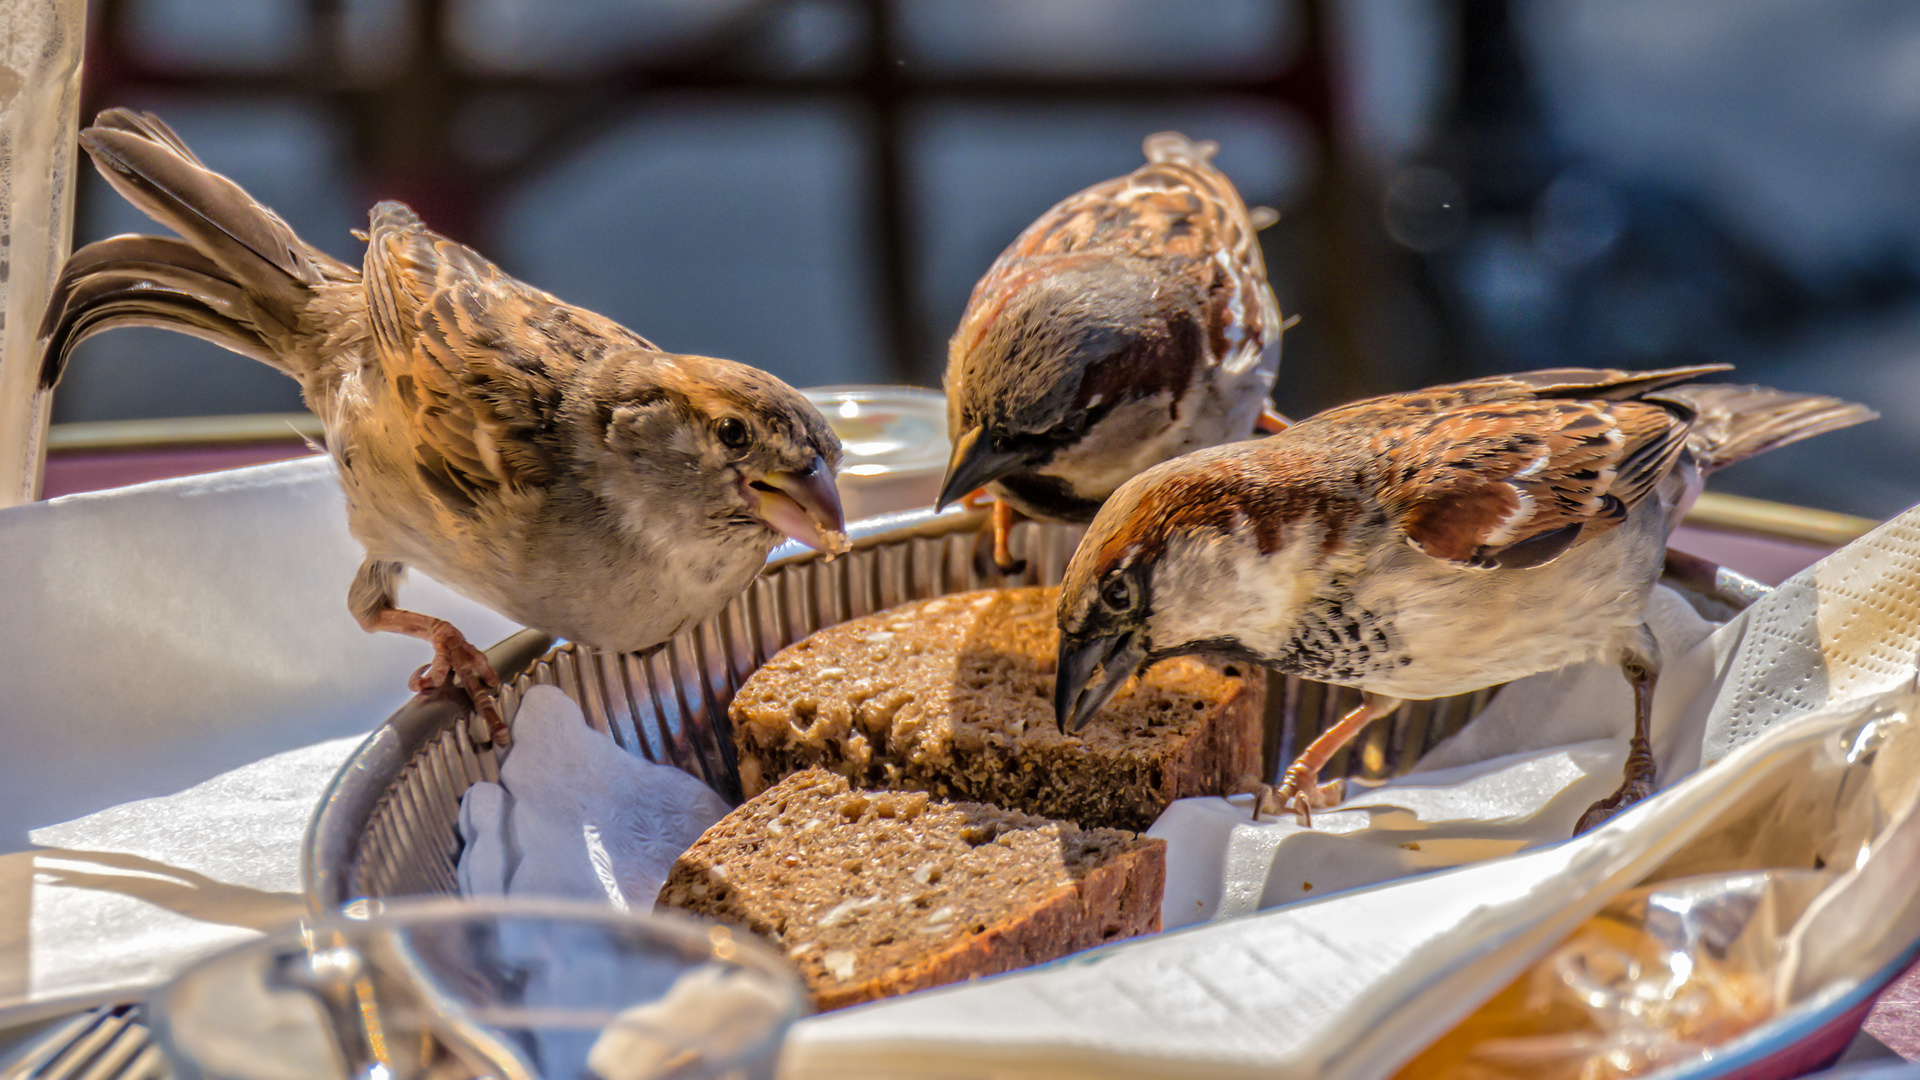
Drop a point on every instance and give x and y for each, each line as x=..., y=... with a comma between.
x=388, y=825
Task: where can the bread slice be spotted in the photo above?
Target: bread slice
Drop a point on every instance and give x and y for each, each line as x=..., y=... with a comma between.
x=954, y=696
x=875, y=893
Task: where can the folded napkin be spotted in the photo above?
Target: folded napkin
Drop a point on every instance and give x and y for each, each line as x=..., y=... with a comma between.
x=576, y=816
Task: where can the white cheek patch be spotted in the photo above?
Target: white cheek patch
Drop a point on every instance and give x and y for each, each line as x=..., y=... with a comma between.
x=1133, y=438
x=1220, y=586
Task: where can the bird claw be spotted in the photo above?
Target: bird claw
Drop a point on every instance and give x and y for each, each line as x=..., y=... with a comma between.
x=1635, y=789
x=457, y=663
x=1299, y=795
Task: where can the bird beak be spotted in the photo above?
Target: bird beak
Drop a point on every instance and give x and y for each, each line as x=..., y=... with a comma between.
x=1077, y=694
x=803, y=505
x=974, y=464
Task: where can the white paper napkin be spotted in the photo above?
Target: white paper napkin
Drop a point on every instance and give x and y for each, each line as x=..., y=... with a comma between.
x=159, y=635
x=575, y=816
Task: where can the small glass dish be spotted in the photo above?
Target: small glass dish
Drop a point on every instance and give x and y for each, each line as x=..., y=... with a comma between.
x=895, y=439
x=511, y=989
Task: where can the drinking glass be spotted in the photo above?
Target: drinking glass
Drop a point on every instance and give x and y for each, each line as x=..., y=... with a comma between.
x=459, y=989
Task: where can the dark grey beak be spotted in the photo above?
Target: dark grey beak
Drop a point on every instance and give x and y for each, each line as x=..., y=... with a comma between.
x=1077, y=694
x=974, y=464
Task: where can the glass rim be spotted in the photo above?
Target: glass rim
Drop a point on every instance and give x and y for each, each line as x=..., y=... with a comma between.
x=733, y=946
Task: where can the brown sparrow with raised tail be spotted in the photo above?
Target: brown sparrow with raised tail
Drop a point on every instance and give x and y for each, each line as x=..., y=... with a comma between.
x=534, y=456
x=1419, y=545
x=1130, y=324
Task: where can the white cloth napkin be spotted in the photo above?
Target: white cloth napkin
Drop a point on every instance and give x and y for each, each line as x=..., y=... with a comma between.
x=576, y=816
x=158, y=637
x=1352, y=985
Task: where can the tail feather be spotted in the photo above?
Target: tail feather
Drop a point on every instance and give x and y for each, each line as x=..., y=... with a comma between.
x=239, y=277
x=1733, y=422
x=145, y=281
x=1173, y=146
x=149, y=126
x=141, y=158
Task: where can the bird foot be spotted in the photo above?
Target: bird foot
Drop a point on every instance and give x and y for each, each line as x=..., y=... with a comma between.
x=456, y=662
x=1635, y=788
x=1300, y=795
x=992, y=553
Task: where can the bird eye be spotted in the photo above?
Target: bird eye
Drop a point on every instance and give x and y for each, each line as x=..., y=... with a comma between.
x=1116, y=593
x=731, y=432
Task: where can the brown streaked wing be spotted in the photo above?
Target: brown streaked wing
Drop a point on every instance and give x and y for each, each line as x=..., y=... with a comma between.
x=1515, y=484
x=459, y=348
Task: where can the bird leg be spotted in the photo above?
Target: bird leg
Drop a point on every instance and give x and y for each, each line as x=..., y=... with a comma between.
x=1300, y=789
x=999, y=530
x=1637, y=782
x=455, y=659
x=1271, y=421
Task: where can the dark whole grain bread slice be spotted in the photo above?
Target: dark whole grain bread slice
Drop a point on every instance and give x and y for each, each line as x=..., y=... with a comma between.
x=954, y=696
x=875, y=893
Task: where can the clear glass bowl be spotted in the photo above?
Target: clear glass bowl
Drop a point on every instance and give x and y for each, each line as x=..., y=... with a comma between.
x=515, y=989
x=895, y=439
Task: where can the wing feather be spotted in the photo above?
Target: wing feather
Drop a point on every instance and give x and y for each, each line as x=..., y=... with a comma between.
x=461, y=345
x=1518, y=483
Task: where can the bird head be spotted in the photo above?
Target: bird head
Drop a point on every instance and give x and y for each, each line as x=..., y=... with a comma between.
x=1043, y=354
x=748, y=456
x=1215, y=553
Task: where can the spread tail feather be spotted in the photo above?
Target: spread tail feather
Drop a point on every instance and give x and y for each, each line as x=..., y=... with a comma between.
x=240, y=277
x=1733, y=423
x=144, y=281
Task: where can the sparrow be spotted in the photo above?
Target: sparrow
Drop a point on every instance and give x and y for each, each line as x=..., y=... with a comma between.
x=1130, y=324
x=533, y=456
x=1419, y=545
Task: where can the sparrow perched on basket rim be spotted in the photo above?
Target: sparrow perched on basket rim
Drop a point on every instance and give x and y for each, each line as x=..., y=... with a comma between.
x=1419, y=545
x=1130, y=324
x=533, y=456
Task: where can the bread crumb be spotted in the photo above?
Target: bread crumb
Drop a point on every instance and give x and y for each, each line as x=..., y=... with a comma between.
x=1306, y=886
x=840, y=911
x=1411, y=845
x=839, y=963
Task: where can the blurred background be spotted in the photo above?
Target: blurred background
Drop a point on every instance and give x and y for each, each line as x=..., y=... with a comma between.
x=812, y=186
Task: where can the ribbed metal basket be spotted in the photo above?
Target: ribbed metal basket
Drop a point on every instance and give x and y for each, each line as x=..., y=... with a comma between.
x=387, y=826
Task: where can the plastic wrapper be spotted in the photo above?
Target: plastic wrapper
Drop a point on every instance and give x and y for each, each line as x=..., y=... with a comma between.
x=1710, y=948
x=1663, y=974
